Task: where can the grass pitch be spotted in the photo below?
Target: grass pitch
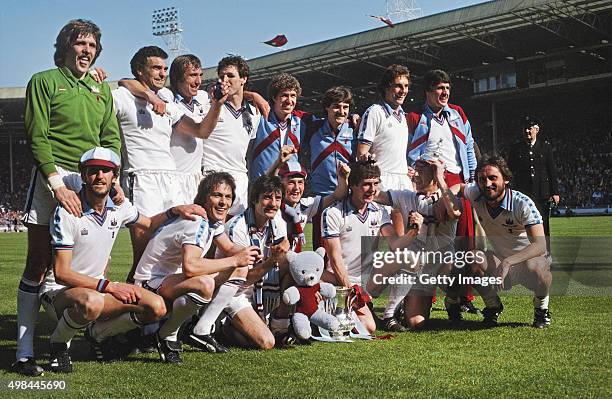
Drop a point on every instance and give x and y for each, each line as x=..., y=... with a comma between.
x=572, y=358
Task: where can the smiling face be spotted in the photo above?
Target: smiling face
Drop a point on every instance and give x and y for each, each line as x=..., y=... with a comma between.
x=98, y=180
x=80, y=55
x=154, y=73
x=437, y=97
x=268, y=204
x=294, y=188
x=396, y=93
x=491, y=183
x=337, y=114
x=218, y=203
x=192, y=80
x=284, y=103
x=365, y=191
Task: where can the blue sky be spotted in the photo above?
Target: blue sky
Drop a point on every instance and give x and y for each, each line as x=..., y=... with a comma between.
x=212, y=28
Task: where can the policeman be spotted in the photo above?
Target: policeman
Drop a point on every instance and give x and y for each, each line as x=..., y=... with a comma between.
x=531, y=161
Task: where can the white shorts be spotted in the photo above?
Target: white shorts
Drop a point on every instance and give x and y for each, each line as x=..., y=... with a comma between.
x=518, y=274
x=47, y=299
x=394, y=181
x=241, y=203
x=40, y=203
x=152, y=284
x=239, y=302
x=188, y=186
x=153, y=191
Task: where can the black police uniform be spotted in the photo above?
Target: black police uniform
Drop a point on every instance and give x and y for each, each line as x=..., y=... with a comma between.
x=534, y=173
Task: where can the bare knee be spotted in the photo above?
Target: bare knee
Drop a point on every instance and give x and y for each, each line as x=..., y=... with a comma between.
x=417, y=322
x=154, y=309
x=205, y=286
x=266, y=341
x=90, y=305
x=39, y=252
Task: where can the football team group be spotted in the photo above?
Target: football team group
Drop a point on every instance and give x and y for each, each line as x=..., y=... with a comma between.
x=216, y=187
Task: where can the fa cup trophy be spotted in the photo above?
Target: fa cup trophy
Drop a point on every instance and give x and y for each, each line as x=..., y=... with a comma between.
x=343, y=314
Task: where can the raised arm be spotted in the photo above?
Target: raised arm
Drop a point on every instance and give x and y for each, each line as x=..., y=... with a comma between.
x=342, y=171
x=141, y=91
x=449, y=200
x=204, y=128
x=285, y=154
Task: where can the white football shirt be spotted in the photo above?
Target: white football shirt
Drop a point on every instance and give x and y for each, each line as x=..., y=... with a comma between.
x=505, y=226
x=163, y=255
x=146, y=135
x=386, y=131
x=226, y=147
x=342, y=220
x=90, y=237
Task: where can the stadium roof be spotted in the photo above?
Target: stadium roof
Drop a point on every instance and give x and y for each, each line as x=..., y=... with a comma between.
x=528, y=37
x=460, y=41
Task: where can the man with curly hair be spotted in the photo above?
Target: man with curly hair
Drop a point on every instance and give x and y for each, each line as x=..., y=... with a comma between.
x=284, y=126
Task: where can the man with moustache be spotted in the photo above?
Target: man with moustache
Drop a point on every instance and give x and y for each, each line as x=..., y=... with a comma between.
x=442, y=130
x=66, y=113
x=384, y=134
x=514, y=228
x=242, y=301
x=76, y=292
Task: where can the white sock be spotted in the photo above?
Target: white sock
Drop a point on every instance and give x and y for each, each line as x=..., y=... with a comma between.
x=541, y=302
x=117, y=325
x=66, y=329
x=183, y=308
x=27, y=315
x=396, y=294
x=220, y=300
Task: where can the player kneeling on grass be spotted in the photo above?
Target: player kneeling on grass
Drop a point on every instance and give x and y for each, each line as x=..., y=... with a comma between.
x=76, y=290
x=173, y=264
x=514, y=228
x=435, y=237
x=346, y=222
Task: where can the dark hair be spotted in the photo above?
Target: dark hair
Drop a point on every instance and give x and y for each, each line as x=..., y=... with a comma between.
x=70, y=33
x=494, y=159
x=179, y=66
x=210, y=182
x=434, y=77
x=283, y=81
x=139, y=60
x=361, y=170
x=337, y=94
x=393, y=71
x=264, y=184
x=237, y=61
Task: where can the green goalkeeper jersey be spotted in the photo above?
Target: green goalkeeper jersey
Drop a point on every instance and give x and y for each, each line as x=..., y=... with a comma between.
x=66, y=116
